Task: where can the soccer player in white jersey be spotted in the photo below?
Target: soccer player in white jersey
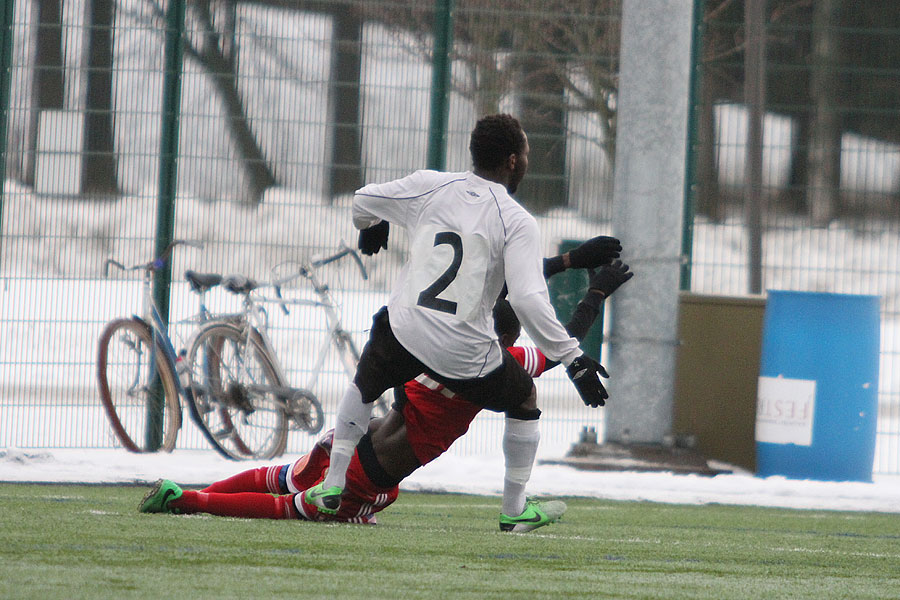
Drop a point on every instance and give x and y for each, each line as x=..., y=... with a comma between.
x=425, y=420
x=468, y=237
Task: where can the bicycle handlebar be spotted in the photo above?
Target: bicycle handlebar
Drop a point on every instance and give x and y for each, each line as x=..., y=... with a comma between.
x=154, y=265
x=341, y=253
x=305, y=269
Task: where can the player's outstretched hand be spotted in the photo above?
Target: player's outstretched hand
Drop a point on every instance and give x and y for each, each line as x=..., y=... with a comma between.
x=585, y=373
x=597, y=251
x=608, y=278
x=374, y=238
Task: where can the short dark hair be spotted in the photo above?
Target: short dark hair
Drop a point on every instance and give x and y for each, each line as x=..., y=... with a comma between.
x=494, y=138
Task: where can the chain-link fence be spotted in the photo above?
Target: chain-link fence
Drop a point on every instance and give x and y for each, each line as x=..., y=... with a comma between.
x=247, y=125
x=795, y=180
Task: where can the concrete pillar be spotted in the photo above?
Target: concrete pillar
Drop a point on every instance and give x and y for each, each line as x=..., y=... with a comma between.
x=652, y=120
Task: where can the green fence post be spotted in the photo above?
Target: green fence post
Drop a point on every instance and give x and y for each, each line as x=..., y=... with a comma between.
x=440, y=84
x=6, y=37
x=566, y=289
x=687, y=230
x=168, y=152
x=168, y=184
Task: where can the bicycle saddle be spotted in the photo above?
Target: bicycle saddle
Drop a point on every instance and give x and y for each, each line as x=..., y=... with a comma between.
x=201, y=282
x=239, y=284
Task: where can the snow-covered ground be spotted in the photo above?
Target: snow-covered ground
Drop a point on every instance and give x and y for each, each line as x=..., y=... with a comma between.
x=472, y=474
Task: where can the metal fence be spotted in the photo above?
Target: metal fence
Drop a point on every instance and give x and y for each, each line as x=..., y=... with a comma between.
x=247, y=125
x=795, y=179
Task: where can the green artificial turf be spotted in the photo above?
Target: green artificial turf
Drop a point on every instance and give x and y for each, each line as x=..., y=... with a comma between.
x=59, y=541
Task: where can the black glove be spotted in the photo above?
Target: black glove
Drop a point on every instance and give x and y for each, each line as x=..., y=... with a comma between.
x=608, y=278
x=374, y=238
x=584, y=372
x=597, y=251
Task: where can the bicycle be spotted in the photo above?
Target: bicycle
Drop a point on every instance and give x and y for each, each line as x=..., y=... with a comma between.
x=137, y=365
x=233, y=367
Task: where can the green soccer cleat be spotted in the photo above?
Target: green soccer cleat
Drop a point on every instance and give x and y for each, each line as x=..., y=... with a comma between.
x=327, y=501
x=536, y=514
x=157, y=500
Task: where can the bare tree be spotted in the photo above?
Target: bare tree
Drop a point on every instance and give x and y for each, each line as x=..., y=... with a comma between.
x=99, y=164
x=554, y=56
x=215, y=53
x=211, y=43
x=49, y=76
x=346, y=149
x=824, y=152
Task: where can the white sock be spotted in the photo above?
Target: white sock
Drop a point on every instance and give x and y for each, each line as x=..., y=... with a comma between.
x=352, y=423
x=520, y=444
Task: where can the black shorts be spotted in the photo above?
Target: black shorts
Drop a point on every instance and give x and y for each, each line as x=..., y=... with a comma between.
x=385, y=364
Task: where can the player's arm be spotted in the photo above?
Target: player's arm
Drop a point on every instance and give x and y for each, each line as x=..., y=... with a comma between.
x=528, y=293
x=595, y=252
x=602, y=283
x=377, y=205
x=377, y=202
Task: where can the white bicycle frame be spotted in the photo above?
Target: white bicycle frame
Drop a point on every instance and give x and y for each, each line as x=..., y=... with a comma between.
x=337, y=336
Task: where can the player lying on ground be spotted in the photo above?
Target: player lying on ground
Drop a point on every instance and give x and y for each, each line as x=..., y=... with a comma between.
x=426, y=419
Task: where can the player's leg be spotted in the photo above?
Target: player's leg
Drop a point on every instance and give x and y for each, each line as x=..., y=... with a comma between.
x=521, y=436
x=263, y=479
x=353, y=418
x=279, y=479
x=431, y=421
x=520, y=442
x=246, y=505
x=503, y=391
x=167, y=497
x=370, y=489
x=384, y=364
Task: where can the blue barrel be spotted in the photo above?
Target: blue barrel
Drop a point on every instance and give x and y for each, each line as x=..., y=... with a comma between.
x=817, y=401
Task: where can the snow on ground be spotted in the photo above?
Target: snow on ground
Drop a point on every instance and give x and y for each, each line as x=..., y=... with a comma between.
x=471, y=474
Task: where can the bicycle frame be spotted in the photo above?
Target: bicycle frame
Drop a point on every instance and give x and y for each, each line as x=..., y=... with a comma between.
x=151, y=317
x=337, y=335
x=255, y=319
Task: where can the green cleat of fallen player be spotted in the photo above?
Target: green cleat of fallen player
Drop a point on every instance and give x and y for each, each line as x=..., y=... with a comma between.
x=157, y=500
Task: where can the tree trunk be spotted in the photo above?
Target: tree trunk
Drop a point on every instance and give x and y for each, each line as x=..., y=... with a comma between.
x=98, y=175
x=794, y=197
x=755, y=98
x=824, y=162
x=543, y=118
x=49, y=76
x=346, y=154
x=707, y=201
x=258, y=174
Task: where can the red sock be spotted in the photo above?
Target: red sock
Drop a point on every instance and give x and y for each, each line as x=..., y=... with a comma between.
x=264, y=479
x=248, y=505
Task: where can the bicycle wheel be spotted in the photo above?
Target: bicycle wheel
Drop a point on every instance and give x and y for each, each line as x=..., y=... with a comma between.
x=305, y=411
x=137, y=387
x=235, y=392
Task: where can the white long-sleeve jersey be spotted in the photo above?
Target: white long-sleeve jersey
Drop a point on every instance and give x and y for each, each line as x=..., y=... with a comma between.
x=467, y=236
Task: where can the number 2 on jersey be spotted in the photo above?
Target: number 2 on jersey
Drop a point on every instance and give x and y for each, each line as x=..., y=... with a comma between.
x=429, y=296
